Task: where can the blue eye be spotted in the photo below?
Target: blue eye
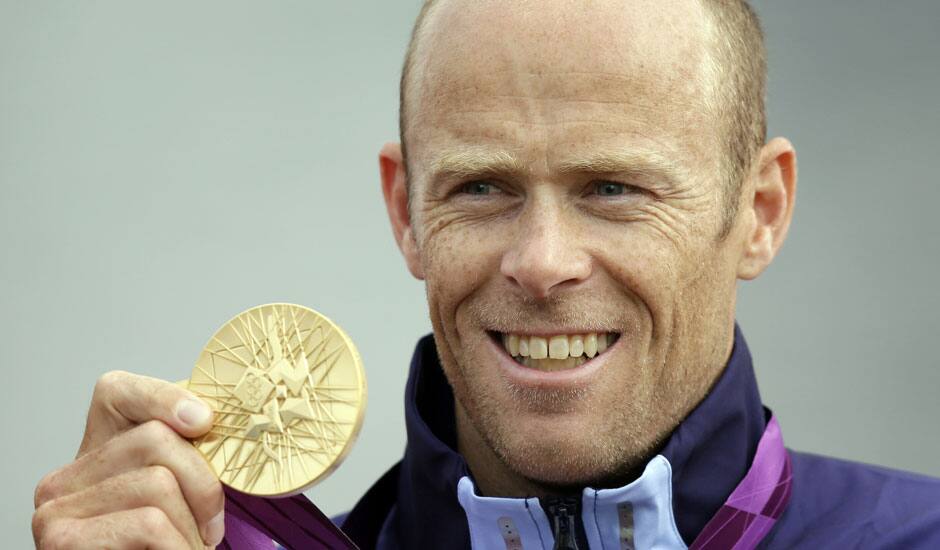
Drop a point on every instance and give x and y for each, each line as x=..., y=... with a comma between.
x=479, y=188
x=609, y=189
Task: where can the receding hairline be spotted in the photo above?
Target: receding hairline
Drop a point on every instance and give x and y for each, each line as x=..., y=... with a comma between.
x=723, y=16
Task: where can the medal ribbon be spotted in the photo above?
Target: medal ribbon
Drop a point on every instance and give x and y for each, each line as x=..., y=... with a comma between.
x=252, y=523
x=756, y=503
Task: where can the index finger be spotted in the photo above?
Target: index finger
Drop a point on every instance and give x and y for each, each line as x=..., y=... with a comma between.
x=123, y=400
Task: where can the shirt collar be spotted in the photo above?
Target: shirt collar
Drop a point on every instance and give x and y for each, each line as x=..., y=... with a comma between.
x=709, y=452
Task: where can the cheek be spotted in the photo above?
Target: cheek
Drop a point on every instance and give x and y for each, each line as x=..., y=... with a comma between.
x=659, y=273
x=457, y=263
x=644, y=265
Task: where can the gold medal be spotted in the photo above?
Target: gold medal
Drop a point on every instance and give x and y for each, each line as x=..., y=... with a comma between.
x=288, y=392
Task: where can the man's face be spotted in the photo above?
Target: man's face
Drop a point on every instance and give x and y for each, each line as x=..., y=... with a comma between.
x=565, y=182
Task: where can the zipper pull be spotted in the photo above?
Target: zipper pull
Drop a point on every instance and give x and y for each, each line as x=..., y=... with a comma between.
x=563, y=512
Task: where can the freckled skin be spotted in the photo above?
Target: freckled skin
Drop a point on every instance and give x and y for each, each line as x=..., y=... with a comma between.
x=547, y=81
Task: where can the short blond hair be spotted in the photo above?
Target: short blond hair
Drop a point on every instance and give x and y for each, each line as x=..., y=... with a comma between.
x=740, y=76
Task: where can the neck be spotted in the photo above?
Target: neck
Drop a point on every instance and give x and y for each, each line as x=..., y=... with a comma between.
x=493, y=478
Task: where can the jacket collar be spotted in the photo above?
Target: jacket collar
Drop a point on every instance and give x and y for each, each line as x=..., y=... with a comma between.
x=712, y=449
x=709, y=452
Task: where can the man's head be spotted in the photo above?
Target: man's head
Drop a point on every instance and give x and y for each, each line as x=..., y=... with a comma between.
x=568, y=174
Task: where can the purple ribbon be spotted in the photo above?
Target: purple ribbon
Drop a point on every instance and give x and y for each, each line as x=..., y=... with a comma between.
x=255, y=523
x=252, y=523
x=756, y=503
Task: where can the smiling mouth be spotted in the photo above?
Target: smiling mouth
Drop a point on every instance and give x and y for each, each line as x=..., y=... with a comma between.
x=555, y=353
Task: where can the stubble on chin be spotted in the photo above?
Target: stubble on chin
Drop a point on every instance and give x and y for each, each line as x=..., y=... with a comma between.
x=547, y=401
x=605, y=454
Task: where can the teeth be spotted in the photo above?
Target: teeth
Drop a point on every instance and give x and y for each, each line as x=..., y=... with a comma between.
x=576, y=345
x=590, y=345
x=552, y=364
x=538, y=347
x=558, y=347
x=557, y=352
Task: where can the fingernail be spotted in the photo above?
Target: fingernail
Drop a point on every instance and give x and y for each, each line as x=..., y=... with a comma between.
x=215, y=529
x=193, y=413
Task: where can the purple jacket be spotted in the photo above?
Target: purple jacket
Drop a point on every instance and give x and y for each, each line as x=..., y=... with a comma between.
x=428, y=500
x=422, y=503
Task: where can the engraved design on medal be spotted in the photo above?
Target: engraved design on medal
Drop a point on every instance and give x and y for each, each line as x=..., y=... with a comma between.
x=253, y=389
x=284, y=378
x=288, y=392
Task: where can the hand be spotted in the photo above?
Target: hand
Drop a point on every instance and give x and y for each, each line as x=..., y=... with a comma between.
x=136, y=482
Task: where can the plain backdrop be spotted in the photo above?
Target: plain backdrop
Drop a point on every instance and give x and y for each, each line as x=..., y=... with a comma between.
x=165, y=165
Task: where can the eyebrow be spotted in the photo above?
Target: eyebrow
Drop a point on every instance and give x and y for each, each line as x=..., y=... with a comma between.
x=480, y=162
x=467, y=163
x=640, y=163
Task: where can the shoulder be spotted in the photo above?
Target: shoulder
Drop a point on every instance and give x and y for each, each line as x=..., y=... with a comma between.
x=370, y=524
x=848, y=504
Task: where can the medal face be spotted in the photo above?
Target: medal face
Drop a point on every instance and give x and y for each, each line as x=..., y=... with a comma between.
x=288, y=393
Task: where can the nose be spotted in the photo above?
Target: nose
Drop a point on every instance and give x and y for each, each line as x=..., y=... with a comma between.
x=546, y=255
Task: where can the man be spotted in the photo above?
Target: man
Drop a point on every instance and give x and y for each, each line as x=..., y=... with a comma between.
x=580, y=185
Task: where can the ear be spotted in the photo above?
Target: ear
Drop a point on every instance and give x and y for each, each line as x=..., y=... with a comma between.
x=395, y=190
x=770, y=208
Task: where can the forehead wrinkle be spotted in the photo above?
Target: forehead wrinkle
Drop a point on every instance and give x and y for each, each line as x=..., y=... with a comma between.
x=637, y=89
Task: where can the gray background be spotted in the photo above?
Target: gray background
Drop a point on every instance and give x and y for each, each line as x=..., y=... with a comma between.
x=151, y=153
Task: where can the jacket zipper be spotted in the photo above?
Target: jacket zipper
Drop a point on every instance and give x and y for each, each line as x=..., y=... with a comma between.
x=564, y=513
